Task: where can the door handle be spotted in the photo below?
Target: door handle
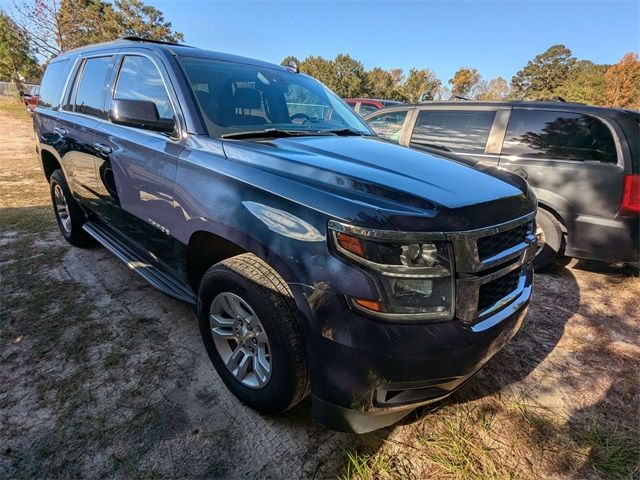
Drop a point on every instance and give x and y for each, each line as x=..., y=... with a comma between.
x=60, y=131
x=102, y=148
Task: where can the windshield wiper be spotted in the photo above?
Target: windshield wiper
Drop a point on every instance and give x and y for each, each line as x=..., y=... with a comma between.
x=345, y=132
x=273, y=133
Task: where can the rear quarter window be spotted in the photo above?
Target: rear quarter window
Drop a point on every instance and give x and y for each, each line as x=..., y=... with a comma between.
x=558, y=136
x=52, y=84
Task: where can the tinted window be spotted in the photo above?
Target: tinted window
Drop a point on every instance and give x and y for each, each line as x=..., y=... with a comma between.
x=242, y=98
x=91, y=92
x=388, y=125
x=52, y=84
x=460, y=132
x=139, y=79
x=558, y=135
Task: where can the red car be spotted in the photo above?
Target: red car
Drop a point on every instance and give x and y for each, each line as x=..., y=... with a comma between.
x=31, y=98
x=364, y=106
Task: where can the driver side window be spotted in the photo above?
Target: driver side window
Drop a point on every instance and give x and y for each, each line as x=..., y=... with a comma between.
x=301, y=101
x=139, y=79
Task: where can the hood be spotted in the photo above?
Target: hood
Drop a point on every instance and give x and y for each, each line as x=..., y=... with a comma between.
x=412, y=189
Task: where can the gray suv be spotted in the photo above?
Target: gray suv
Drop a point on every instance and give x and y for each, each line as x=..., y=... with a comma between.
x=581, y=160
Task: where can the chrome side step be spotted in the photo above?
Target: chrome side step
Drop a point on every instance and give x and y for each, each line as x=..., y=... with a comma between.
x=140, y=262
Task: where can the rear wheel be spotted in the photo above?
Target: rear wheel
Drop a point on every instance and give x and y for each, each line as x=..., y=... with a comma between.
x=69, y=215
x=249, y=325
x=549, y=237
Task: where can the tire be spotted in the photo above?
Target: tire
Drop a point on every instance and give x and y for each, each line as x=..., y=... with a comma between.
x=266, y=295
x=69, y=215
x=550, y=247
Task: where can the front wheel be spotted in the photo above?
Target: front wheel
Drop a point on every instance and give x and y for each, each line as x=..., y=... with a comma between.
x=249, y=325
x=549, y=237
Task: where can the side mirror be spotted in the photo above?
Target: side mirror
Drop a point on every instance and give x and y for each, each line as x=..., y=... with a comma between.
x=140, y=114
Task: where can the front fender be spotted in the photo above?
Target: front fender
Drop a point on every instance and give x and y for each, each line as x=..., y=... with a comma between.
x=216, y=195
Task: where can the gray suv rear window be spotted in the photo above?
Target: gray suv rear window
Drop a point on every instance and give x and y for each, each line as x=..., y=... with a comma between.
x=52, y=84
x=453, y=131
x=558, y=135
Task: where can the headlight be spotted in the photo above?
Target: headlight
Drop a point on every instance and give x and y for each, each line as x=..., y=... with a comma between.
x=413, y=272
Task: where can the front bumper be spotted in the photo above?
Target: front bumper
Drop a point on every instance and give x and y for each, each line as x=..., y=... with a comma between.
x=367, y=374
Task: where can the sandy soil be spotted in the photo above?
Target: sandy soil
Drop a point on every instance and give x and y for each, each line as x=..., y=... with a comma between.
x=101, y=375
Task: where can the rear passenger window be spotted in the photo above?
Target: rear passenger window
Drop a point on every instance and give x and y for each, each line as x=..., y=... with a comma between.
x=139, y=79
x=91, y=92
x=453, y=131
x=52, y=84
x=558, y=135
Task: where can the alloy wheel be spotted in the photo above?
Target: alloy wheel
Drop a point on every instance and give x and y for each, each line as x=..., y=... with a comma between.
x=240, y=340
x=62, y=209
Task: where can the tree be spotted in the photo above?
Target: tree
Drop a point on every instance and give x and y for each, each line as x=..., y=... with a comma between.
x=81, y=22
x=541, y=77
x=585, y=84
x=420, y=85
x=136, y=19
x=54, y=27
x=496, y=89
x=463, y=81
x=350, y=76
x=385, y=84
x=321, y=69
x=17, y=62
x=622, y=83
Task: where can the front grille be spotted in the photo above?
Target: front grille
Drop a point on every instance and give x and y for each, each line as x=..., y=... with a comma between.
x=493, y=244
x=495, y=290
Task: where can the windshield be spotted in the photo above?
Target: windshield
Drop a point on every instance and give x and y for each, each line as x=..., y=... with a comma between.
x=238, y=98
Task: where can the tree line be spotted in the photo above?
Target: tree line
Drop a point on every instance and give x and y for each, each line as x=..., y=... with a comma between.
x=552, y=75
x=34, y=31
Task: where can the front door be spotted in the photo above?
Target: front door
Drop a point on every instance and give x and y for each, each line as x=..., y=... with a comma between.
x=137, y=167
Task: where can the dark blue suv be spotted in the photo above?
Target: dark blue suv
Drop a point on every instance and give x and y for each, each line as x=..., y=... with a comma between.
x=319, y=258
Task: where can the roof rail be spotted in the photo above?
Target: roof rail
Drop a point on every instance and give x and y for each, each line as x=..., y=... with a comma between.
x=149, y=40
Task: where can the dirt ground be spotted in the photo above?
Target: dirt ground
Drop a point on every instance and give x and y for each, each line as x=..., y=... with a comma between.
x=103, y=376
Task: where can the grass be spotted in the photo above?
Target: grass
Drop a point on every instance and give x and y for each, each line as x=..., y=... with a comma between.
x=365, y=467
x=13, y=107
x=613, y=451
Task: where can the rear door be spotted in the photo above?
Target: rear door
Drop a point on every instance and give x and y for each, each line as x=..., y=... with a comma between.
x=572, y=159
x=137, y=167
x=83, y=109
x=474, y=133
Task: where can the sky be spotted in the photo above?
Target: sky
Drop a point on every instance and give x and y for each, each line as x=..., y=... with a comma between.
x=496, y=37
